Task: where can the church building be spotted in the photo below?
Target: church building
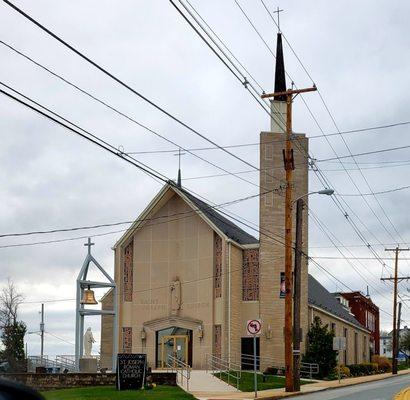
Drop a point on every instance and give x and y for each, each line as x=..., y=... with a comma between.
x=189, y=278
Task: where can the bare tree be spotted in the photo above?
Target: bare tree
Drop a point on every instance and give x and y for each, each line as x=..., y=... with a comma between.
x=10, y=300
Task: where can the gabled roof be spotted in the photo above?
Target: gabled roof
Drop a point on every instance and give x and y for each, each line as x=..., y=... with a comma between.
x=318, y=296
x=207, y=212
x=231, y=230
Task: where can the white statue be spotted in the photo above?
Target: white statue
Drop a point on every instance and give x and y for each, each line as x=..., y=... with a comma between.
x=88, y=343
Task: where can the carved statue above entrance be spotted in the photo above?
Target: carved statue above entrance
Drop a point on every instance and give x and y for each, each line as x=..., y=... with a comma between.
x=175, y=296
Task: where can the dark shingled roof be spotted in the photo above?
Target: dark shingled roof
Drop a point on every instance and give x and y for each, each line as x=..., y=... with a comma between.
x=230, y=229
x=318, y=296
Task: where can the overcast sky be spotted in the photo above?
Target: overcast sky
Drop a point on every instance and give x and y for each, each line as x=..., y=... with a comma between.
x=356, y=52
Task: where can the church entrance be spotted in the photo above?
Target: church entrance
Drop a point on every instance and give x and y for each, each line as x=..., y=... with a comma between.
x=173, y=344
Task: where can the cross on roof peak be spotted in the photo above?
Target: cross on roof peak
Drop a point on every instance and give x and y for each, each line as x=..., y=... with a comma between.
x=89, y=244
x=277, y=11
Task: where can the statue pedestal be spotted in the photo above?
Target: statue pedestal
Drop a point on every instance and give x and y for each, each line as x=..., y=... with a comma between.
x=88, y=365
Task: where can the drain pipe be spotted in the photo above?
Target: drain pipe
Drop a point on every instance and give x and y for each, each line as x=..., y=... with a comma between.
x=229, y=304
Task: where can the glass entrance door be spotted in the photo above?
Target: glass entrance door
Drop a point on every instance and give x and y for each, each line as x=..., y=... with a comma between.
x=175, y=346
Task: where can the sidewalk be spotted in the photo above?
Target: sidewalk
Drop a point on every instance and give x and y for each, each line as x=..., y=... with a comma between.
x=273, y=394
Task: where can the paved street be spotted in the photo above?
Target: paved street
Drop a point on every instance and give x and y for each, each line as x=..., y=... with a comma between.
x=379, y=390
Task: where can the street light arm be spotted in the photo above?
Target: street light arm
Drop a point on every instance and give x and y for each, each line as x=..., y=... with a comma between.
x=327, y=192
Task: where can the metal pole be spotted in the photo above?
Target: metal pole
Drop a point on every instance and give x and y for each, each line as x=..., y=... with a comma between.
x=42, y=332
x=297, y=295
x=394, y=366
x=338, y=369
x=398, y=330
x=115, y=330
x=255, y=378
x=77, y=327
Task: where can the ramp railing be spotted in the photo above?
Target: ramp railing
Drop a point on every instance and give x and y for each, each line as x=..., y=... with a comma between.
x=181, y=368
x=231, y=370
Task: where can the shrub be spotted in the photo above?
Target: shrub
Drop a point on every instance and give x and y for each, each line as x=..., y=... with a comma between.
x=363, y=369
x=383, y=363
x=319, y=348
x=344, y=372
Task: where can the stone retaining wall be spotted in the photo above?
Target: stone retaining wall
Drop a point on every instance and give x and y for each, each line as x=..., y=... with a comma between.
x=73, y=380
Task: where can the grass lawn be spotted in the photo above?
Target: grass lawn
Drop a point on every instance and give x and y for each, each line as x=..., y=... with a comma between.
x=246, y=382
x=110, y=393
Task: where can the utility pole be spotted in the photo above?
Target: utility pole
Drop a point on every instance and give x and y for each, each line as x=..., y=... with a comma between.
x=395, y=280
x=297, y=295
x=398, y=329
x=42, y=332
x=289, y=167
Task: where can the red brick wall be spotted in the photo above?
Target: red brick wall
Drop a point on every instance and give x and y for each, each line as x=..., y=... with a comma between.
x=359, y=304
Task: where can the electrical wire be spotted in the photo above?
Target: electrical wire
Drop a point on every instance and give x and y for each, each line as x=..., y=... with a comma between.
x=125, y=85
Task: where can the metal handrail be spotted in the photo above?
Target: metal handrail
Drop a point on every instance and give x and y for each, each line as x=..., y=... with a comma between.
x=309, y=368
x=220, y=365
x=248, y=359
x=181, y=368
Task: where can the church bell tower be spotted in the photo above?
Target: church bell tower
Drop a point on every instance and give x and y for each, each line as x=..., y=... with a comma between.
x=272, y=219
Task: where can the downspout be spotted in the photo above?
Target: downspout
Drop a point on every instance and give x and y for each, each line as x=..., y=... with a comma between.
x=229, y=302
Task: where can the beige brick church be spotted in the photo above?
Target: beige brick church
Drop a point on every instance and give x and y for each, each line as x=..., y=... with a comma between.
x=189, y=278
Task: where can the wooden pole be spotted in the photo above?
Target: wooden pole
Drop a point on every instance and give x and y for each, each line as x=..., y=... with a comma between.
x=288, y=160
x=289, y=166
x=297, y=295
x=396, y=263
x=395, y=281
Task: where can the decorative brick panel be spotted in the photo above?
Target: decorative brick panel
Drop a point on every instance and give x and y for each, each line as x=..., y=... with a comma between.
x=127, y=340
x=218, y=266
x=250, y=275
x=218, y=341
x=127, y=272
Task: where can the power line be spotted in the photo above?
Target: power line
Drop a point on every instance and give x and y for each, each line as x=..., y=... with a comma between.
x=112, y=108
x=66, y=44
x=230, y=69
x=366, y=153
x=209, y=207
x=320, y=128
x=304, y=101
x=125, y=85
x=373, y=193
x=345, y=143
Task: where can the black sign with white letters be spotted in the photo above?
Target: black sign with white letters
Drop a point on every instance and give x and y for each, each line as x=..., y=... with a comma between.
x=131, y=371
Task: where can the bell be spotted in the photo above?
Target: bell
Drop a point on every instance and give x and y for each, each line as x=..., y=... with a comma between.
x=88, y=297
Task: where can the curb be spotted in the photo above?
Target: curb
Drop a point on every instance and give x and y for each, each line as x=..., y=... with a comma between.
x=294, y=394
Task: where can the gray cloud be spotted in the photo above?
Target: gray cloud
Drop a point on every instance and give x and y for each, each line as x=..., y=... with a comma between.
x=357, y=54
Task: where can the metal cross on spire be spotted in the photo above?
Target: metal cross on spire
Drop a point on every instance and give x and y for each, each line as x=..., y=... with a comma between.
x=89, y=244
x=179, y=154
x=278, y=10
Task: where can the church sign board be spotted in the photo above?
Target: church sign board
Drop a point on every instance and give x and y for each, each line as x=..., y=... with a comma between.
x=131, y=371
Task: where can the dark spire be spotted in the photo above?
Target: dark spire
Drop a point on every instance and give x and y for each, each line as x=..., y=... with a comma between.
x=280, y=79
x=179, y=154
x=179, y=184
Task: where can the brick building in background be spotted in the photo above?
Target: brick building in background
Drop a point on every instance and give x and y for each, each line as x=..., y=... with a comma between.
x=366, y=312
